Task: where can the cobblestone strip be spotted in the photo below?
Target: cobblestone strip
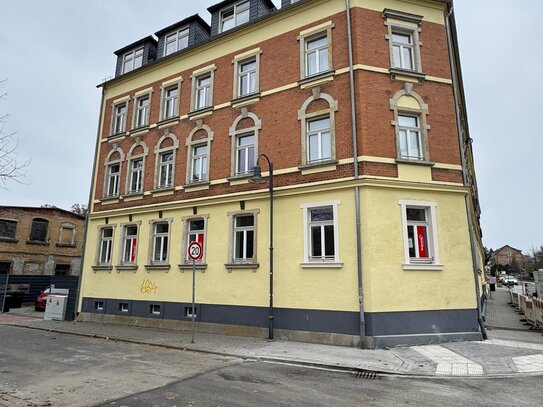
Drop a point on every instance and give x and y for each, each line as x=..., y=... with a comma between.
x=450, y=363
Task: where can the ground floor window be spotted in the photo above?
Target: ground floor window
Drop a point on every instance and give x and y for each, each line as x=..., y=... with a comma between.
x=321, y=241
x=419, y=233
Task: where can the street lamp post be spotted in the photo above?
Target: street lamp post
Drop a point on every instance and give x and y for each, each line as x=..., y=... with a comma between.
x=257, y=178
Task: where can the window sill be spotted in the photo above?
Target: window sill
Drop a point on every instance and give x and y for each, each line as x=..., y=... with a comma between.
x=138, y=131
x=168, y=121
x=126, y=267
x=188, y=266
x=200, y=113
x=400, y=74
x=8, y=240
x=318, y=166
x=132, y=196
x=241, y=266
x=105, y=267
x=239, y=179
x=423, y=267
x=111, y=198
x=317, y=79
x=37, y=242
x=112, y=138
x=321, y=265
x=158, y=267
x=415, y=161
x=196, y=186
x=245, y=100
x=163, y=191
x=72, y=245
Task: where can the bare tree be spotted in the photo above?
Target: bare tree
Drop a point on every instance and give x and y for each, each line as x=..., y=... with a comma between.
x=80, y=209
x=11, y=167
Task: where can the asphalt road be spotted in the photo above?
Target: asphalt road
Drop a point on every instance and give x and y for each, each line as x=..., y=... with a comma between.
x=63, y=370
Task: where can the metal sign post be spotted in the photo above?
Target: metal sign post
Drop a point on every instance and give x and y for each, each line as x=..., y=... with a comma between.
x=194, y=252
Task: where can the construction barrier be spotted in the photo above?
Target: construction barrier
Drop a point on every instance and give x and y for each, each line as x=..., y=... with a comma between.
x=538, y=312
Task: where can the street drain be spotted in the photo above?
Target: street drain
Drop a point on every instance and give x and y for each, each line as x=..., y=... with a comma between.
x=362, y=374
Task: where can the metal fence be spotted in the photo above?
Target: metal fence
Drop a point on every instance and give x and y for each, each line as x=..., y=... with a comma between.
x=37, y=284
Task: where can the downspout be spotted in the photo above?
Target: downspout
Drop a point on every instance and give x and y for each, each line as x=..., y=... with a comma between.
x=454, y=61
x=356, y=177
x=93, y=179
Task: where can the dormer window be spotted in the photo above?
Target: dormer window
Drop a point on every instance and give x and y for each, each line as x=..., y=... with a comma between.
x=132, y=60
x=176, y=41
x=235, y=15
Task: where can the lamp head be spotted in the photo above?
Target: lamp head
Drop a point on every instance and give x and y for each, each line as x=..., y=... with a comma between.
x=257, y=175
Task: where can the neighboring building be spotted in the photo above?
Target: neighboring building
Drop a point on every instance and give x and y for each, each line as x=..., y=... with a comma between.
x=40, y=241
x=186, y=119
x=508, y=255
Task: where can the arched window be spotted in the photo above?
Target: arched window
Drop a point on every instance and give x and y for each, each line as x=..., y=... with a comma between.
x=198, y=152
x=244, y=135
x=165, y=152
x=317, y=117
x=410, y=113
x=112, y=175
x=136, y=168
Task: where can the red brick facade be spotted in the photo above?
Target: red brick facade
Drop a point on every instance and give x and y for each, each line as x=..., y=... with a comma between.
x=280, y=135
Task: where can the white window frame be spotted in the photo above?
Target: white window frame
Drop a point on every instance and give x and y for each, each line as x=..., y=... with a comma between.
x=138, y=173
x=308, y=262
x=118, y=125
x=190, y=143
x=108, y=241
x=202, y=92
x=200, y=161
x=239, y=61
x=402, y=47
x=187, y=234
x=159, y=152
x=113, y=180
x=170, y=104
x=407, y=24
x=141, y=114
x=166, y=166
x=235, y=134
x=177, y=36
x=408, y=131
x=311, y=34
x=319, y=135
x=152, y=244
x=133, y=57
x=244, y=4
x=432, y=237
x=317, y=51
x=232, y=216
x=125, y=239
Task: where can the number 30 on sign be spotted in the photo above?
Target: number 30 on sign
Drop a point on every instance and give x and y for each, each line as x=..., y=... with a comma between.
x=194, y=251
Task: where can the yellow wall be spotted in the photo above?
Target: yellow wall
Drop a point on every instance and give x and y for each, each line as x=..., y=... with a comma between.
x=388, y=287
x=295, y=287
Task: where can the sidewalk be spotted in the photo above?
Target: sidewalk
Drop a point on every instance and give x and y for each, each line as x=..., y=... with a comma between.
x=507, y=352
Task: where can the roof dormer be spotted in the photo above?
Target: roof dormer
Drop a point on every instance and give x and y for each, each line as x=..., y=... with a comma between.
x=135, y=55
x=183, y=34
x=229, y=14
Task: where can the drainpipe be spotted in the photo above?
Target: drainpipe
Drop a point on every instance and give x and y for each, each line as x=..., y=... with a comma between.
x=454, y=61
x=356, y=177
x=93, y=178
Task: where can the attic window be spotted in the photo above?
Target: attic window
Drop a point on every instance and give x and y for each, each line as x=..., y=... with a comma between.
x=176, y=41
x=236, y=15
x=132, y=60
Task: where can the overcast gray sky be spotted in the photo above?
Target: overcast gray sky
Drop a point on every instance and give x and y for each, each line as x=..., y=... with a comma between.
x=54, y=53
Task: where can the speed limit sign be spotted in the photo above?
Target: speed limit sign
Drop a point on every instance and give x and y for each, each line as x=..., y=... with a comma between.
x=195, y=251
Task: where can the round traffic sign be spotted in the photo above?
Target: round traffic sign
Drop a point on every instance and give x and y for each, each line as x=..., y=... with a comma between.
x=195, y=251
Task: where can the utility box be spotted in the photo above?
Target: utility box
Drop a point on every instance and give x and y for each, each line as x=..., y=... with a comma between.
x=55, y=308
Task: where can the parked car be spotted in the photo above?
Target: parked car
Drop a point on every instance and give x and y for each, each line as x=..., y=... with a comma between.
x=41, y=300
x=509, y=280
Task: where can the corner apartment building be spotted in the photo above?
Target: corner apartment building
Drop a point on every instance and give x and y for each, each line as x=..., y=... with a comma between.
x=359, y=107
